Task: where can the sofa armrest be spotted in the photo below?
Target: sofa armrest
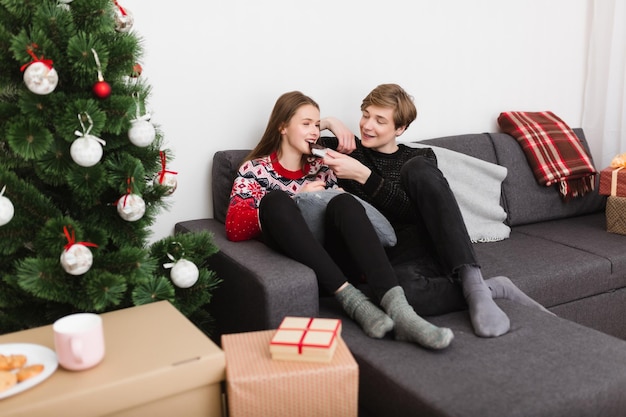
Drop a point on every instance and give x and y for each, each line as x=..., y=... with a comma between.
x=260, y=286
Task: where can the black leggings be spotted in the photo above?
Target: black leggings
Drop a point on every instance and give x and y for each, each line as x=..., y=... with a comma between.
x=351, y=248
x=437, y=213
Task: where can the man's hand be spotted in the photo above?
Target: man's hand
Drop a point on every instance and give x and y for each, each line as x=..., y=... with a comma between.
x=347, y=143
x=346, y=167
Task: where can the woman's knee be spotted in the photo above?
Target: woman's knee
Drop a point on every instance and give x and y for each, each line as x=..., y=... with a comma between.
x=344, y=202
x=274, y=197
x=275, y=202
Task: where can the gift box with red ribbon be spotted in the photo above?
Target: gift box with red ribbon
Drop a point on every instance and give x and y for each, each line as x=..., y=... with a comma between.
x=257, y=385
x=305, y=339
x=616, y=215
x=613, y=178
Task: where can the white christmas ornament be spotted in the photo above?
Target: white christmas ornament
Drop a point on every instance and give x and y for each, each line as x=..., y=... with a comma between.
x=124, y=19
x=141, y=132
x=86, y=151
x=64, y=4
x=41, y=78
x=77, y=259
x=167, y=179
x=6, y=208
x=184, y=273
x=131, y=207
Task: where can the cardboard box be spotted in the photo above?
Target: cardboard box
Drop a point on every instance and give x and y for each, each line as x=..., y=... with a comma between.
x=305, y=339
x=616, y=215
x=613, y=182
x=257, y=386
x=157, y=363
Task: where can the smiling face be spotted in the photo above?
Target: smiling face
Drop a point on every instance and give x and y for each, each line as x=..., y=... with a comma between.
x=378, y=130
x=302, y=128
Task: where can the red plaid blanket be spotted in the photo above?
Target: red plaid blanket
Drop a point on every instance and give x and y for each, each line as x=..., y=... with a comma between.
x=553, y=150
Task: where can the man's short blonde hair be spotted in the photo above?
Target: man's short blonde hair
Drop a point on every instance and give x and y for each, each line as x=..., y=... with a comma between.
x=393, y=96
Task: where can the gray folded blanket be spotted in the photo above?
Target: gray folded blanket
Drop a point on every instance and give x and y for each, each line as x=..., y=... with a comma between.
x=477, y=186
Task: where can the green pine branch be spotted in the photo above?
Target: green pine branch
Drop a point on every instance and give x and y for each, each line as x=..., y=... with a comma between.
x=59, y=203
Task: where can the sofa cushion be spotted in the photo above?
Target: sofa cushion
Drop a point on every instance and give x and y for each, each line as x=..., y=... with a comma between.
x=478, y=145
x=544, y=269
x=588, y=234
x=223, y=173
x=312, y=205
x=254, y=293
x=477, y=186
x=545, y=366
x=525, y=201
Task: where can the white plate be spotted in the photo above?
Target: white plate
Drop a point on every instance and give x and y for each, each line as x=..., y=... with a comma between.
x=34, y=354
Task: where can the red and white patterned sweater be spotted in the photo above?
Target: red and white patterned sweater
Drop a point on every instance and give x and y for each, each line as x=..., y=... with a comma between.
x=256, y=178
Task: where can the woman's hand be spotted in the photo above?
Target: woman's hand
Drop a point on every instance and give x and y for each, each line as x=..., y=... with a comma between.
x=317, y=185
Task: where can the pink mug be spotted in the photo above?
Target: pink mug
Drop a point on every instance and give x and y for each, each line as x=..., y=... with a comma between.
x=79, y=341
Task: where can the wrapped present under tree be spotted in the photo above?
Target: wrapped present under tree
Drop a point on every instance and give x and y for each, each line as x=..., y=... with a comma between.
x=306, y=339
x=616, y=215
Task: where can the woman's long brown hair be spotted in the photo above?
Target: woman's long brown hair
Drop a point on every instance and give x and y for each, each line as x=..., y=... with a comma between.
x=286, y=106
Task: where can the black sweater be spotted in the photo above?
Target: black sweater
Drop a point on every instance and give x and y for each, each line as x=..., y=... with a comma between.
x=383, y=189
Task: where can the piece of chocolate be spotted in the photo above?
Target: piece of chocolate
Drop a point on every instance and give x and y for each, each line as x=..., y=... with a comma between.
x=317, y=150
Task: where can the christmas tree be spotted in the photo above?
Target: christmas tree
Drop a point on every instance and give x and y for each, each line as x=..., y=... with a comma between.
x=83, y=173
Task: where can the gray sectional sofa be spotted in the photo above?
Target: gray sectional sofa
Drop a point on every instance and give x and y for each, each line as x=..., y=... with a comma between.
x=571, y=364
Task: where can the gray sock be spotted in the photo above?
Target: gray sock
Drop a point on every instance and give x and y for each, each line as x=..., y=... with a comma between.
x=409, y=326
x=487, y=318
x=503, y=287
x=374, y=322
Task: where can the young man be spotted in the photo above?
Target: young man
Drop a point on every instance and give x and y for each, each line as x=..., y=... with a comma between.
x=434, y=253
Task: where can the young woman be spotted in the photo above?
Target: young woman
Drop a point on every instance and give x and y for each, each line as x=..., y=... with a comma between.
x=261, y=206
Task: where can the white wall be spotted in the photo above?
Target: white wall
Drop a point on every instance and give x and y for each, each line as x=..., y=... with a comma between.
x=216, y=68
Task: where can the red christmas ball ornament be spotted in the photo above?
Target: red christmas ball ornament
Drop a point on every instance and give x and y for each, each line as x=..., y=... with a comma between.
x=102, y=89
x=137, y=70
